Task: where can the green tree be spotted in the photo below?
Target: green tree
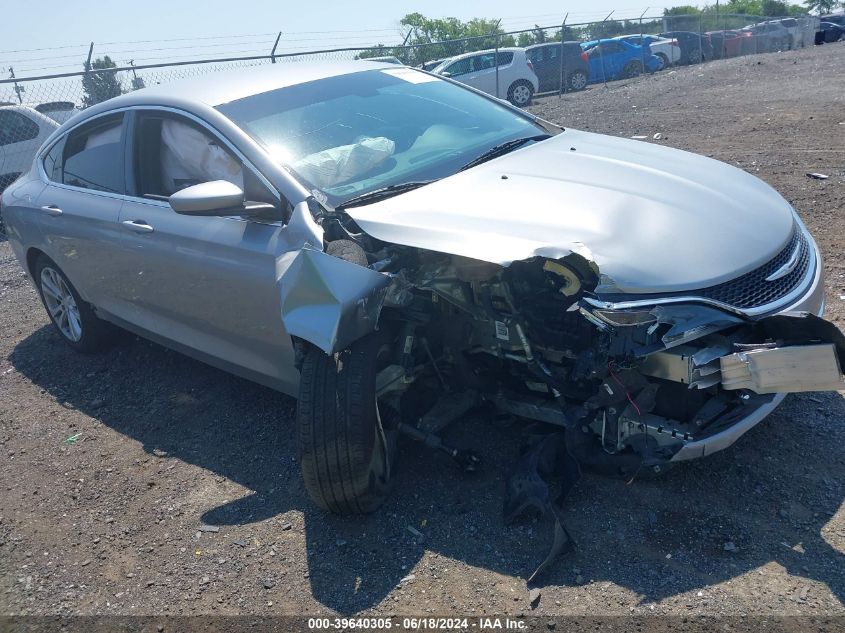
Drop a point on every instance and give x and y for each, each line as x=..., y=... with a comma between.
x=102, y=85
x=774, y=8
x=682, y=10
x=535, y=36
x=821, y=7
x=435, y=38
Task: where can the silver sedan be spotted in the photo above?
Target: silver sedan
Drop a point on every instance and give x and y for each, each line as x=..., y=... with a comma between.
x=395, y=249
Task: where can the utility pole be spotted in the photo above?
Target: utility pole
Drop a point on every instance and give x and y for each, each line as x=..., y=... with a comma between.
x=18, y=89
x=275, y=44
x=601, y=55
x=562, y=57
x=496, y=60
x=642, y=44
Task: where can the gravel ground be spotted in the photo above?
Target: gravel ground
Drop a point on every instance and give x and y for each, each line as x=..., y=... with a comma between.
x=113, y=466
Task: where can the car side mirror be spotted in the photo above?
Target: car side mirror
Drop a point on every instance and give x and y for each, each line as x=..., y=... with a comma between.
x=445, y=73
x=219, y=198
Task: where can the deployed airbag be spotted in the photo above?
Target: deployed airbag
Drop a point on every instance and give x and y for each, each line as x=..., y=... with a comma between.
x=190, y=157
x=339, y=164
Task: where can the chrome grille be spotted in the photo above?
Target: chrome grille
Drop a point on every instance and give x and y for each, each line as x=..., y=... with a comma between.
x=751, y=290
x=747, y=292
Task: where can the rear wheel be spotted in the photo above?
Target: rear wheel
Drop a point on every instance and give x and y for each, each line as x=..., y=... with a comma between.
x=73, y=318
x=347, y=442
x=520, y=93
x=578, y=80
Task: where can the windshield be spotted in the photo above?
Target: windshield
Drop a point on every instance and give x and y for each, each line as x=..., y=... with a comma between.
x=347, y=135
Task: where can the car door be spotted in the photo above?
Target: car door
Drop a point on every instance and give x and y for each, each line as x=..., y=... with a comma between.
x=482, y=73
x=616, y=55
x=539, y=59
x=77, y=211
x=202, y=284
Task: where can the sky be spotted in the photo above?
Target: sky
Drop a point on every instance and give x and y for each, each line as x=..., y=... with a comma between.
x=53, y=35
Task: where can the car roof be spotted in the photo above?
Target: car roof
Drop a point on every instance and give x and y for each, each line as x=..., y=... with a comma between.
x=542, y=44
x=217, y=88
x=507, y=49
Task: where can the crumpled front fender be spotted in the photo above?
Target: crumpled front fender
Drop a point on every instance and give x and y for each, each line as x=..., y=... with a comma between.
x=328, y=301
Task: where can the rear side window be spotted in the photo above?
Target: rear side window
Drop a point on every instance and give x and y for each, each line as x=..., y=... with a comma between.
x=53, y=161
x=505, y=58
x=92, y=157
x=15, y=127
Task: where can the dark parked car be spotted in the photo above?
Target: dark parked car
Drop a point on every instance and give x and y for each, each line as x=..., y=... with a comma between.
x=695, y=48
x=434, y=63
x=834, y=18
x=831, y=32
x=550, y=66
x=728, y=43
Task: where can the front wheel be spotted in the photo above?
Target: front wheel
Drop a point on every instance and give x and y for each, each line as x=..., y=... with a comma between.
x=520, y=93
x=578, y=80
x=73, y=318
x=663, y=63
x=347, y=442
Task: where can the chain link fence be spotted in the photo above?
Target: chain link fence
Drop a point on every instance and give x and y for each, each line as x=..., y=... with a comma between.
x=563, y=57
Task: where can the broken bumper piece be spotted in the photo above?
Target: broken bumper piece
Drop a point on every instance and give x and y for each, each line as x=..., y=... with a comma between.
x=783, y=369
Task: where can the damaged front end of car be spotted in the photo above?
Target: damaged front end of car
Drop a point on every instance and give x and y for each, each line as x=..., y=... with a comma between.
x=605, y=383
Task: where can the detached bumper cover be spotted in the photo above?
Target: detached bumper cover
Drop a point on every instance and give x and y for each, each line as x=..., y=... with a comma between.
x=812, y=302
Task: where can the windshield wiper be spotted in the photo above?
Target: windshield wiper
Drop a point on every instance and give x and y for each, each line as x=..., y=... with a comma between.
x=503, y=148
x=383, y=193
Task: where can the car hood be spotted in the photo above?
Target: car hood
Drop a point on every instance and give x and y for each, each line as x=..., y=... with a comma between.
x=654, y=219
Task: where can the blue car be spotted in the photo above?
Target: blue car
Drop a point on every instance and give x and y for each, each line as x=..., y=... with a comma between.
x=618, y=59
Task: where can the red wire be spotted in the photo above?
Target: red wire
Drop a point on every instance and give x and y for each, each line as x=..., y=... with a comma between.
x=627, y=394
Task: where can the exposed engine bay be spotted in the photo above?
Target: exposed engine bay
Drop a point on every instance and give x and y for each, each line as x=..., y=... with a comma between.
x=618, y=391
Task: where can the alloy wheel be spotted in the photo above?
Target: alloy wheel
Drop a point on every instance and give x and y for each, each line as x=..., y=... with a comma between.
x=521, y=94
x=578, y=81
x=60, y=304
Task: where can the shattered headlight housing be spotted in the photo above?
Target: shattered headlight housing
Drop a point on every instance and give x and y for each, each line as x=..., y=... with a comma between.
x=625, y=318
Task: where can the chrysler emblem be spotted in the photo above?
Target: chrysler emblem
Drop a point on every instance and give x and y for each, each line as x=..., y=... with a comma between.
x=789, y=266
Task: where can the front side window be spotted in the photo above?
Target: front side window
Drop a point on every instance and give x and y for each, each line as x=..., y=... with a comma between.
x=92, y=156
x=172, y=152
x=15, y=127
x=460, y=67
x=483, y=62
x=350, y=134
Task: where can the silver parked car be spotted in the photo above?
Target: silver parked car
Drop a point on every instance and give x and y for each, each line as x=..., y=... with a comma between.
x=394, y=249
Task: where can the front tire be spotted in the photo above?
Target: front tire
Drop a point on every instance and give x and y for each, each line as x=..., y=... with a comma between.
x=72, y=317
x=347, y=443
x=520, y=93
x=578, y=80
x=664, y=62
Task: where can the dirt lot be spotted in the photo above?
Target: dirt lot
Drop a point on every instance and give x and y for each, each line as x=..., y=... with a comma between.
x=111, y=522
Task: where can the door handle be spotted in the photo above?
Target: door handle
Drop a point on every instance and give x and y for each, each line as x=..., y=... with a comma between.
x=139, y=226
x=52, y=209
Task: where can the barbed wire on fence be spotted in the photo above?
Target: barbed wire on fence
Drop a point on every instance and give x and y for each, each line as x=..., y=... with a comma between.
x=104, y=78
